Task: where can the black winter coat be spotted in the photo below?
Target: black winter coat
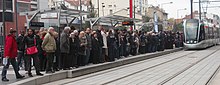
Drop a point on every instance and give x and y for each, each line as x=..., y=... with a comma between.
x=20, y=42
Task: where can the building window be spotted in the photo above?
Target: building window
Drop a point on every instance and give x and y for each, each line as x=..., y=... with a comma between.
x=8, y=16
x=1, y=4
x=110, y=11
x=23, y=7
x=109, y=6
x=34, y=0
x=8, y=5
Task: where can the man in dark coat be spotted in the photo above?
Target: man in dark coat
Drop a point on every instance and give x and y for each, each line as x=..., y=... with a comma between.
x=122, y=44
x=65, y=48
x=172, y=39
x=89, y=45
x=111, y=42
x=150, y=42
x=21, y=49
x=74, y=48
x=142, y=43
x=161, y=41
x=155, y=41
x=100, y=40
x=96, y=45
x=177, y=40
x=117, y=53
x=169, y=40
x=132, y=44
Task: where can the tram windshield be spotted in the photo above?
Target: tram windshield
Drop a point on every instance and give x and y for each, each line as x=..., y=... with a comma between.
x=191, y=28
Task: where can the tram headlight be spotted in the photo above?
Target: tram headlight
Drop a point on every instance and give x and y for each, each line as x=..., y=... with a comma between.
x=195, y=41
x=187, y=41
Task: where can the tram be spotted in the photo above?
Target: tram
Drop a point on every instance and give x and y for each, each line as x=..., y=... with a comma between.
x=200, y=35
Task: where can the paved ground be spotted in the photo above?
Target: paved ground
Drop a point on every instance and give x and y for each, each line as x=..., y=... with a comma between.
x=181, y=68
x=11, y=75
x=12, y=78
x=216, y=80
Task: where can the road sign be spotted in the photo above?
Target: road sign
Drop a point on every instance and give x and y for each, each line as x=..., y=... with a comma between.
x=37, y=24
x=49, y=16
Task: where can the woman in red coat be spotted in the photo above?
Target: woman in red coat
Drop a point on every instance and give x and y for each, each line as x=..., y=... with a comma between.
x=10, y=53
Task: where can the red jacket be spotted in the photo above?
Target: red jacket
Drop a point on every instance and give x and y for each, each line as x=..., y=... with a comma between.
x=10, y=47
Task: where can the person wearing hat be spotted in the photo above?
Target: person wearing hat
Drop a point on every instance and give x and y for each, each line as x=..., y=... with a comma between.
x=10, y=54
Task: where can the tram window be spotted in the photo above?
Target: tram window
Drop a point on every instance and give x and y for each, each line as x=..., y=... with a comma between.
x=206, y=33
x=212, y=33
x=215, y=32
x=218, y=32
x=202, y=33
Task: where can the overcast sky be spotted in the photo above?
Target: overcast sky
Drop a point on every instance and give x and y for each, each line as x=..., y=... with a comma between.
x=171, y=9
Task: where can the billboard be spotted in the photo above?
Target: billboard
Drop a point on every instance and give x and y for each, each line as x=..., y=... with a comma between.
x=49, y=16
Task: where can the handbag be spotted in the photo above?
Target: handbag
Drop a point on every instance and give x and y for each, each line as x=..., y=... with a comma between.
x=32, y=50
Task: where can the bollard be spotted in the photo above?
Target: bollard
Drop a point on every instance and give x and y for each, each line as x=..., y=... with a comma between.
x=69, y=74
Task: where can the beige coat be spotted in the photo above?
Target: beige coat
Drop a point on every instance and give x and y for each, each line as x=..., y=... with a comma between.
x=49, y=43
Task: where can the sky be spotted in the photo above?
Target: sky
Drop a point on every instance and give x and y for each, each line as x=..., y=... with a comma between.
x=171, y=9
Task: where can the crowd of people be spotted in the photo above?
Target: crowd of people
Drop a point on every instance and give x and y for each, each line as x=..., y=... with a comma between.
x=44, y=50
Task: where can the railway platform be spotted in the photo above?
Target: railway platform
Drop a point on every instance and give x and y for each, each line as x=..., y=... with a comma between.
x=63, y=74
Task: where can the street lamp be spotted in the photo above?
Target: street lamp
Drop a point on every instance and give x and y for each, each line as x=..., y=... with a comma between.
x=191, y=2
x=178, y=12
x=165, y=3
x=80, y=2
x=3, y=24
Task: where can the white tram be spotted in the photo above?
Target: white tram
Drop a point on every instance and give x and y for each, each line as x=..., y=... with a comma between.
x=199, y=35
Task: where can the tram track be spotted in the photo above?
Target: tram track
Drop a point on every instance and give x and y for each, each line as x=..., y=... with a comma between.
x=178, y=73
x=152, y=82
x=146, y=69
x=213, y=76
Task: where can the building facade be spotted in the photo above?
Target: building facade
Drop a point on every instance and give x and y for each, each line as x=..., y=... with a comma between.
x=160, y=13
x=71, y=4
x=141, y=6
x=108, y=7
x=11, y=13
x=13, y=8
